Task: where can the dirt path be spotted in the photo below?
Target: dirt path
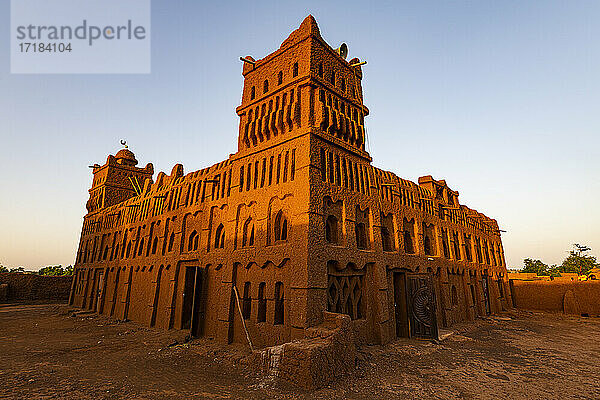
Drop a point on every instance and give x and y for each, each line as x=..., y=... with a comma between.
x=46, y=353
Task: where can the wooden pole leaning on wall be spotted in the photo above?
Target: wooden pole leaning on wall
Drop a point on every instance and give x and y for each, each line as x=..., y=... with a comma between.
x=237, y=301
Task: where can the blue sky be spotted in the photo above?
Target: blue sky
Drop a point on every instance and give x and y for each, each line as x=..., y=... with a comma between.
x=501, y=99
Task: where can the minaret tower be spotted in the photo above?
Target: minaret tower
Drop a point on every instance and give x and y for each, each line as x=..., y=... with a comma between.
x=117, y=180
x=304, y=86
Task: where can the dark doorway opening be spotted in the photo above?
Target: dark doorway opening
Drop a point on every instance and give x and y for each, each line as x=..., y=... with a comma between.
x=99, y=301
x=400, y=305
x=156, y=294
x=93, y=291
x=192, y=315
x=486, y=294
x=115, y=291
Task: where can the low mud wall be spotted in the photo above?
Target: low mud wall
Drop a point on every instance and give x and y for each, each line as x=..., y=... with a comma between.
x=327, y=353
x=34, y=287
x=569, y=297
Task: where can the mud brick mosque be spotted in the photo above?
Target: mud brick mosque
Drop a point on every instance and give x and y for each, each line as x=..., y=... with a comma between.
x=296, y=223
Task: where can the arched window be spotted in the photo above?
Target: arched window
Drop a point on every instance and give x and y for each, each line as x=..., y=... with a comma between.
x=141, y=248
x=248, y=233
x=247, y=301
x=332, y=78
x=456, y=245
x=252, y=93
x=105, y=254
x=386, y=239
x=343, y=85
x=361, y=235
x=427, y=245
x=320, y=70
x=454, y=296
x=295, y=70
x=331, y=229
x=171, y=241
x=266, y=86
x=408, y=244
x=154, y=245
x=280, y=78
x=127, y=254
x=220, y=237
x=280, y=226
x=262, y=303
x=478, y=250
x=193, y=241
x=473, y=294
x=278, y=318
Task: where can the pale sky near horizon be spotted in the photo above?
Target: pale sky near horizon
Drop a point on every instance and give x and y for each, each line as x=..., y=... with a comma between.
x=501, y=99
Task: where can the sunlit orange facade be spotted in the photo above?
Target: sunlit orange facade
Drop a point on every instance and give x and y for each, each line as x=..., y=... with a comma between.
x=297, y=222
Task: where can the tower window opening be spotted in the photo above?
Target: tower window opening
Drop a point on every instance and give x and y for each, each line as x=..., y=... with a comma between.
x=220, y=237
x=193, y=241
x=361, y=236
x=280, y=227
x=246, y=301
x=454, y=296
x=386, y=239
x=171, y=242
x=331, y=229
x=248, y=233
x=278, y=318
x=261, y=315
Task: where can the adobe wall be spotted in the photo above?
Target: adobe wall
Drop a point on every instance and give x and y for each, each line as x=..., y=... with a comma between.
x=568, y=297
x=36, y=287
x=142, y=247
x=457, y=246
x=301, y=155
x=327, y=353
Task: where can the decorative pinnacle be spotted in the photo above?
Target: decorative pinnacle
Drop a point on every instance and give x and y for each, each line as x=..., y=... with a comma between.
x=124, y=143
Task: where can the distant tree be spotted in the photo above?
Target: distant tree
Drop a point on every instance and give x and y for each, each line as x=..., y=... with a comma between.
x=56, y=270
x=19, y=269
x=578, y=261
x=3, y=268
x=535, y=266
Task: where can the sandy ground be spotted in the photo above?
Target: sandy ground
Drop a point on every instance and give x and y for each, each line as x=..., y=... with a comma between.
x=46, y=352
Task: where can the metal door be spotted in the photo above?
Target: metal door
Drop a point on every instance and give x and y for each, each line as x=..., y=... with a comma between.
x=421, y=306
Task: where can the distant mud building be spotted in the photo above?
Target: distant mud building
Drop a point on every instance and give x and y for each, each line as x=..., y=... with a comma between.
x=298, y=222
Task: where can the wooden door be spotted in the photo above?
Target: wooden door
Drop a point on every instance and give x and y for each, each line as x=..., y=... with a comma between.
x=400, y=305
